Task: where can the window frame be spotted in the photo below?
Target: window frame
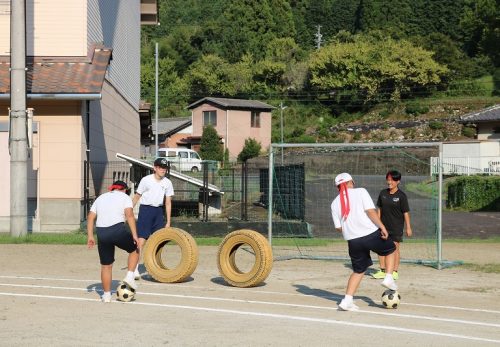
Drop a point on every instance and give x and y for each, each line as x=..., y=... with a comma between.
x=255, y=119
x=211, y=114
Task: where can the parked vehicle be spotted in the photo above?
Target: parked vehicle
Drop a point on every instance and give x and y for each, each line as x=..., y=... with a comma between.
x=181, y=159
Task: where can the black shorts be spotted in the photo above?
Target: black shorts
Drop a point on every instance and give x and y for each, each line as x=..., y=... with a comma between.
x=359, y=250
x=109, y=237
x=396, y=236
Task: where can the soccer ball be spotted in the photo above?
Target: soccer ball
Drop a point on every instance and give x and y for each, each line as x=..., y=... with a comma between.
x=391, y=298
x=124, y=292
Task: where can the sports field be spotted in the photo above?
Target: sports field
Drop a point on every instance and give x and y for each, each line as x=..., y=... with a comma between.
x=49, y=296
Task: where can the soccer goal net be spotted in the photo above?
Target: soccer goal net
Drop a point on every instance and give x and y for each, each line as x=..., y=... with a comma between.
x=301, y=190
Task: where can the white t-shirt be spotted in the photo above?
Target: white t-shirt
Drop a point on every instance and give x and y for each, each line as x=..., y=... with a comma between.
x=357, y=224
x=153, y=191
x=110, y=208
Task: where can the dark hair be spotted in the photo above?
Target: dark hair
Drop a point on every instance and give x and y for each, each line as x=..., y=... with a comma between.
x=394, y=174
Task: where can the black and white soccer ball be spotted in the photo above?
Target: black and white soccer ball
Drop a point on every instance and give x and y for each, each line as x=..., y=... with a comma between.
x=391, y=299
x=124, y=292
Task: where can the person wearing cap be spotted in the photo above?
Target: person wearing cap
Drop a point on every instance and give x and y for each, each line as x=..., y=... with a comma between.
x=109, y=212
x=354, y=214
x=154, y=194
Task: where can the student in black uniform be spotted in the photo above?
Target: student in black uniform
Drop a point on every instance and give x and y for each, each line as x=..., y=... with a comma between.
x=394, y=211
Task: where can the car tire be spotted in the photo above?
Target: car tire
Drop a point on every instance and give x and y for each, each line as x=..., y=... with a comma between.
x=226, y=258
x=154, y=263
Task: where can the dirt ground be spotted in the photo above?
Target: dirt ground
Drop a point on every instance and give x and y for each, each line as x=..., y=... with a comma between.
x=49, y=295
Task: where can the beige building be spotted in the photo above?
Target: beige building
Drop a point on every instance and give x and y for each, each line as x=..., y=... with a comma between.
x=83, y=86
x=235, y=121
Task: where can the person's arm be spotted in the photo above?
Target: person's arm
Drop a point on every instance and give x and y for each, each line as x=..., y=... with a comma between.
x=373, y=215
x=91, y=217
x=136, y=198
x=168, y=210
x=129, y=216
x=409, y=232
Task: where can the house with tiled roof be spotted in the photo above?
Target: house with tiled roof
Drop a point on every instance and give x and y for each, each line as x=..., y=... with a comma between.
x=83, y=88
x=486, y=121
x=235, y=120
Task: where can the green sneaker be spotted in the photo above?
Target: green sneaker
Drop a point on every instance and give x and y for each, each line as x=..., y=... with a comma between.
x=395, y=275
x=380, y=274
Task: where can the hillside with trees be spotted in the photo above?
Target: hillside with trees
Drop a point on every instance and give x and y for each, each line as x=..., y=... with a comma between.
x=378, y=64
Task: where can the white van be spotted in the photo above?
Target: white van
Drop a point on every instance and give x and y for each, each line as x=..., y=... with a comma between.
x=181, y=159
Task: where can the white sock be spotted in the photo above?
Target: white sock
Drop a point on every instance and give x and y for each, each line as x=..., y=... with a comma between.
x=388, y=277
x=130, y=275
x=348, y=298
x=106, y=294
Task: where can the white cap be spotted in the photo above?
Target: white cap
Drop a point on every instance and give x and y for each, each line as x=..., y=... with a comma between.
x=343, y=178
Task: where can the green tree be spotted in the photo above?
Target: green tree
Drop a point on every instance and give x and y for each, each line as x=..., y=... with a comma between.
x=481, y=25
x=211, y=76
x=251, y=149
x=172, y=89
x=210, y=147
x=374, y=69
x=249, y=25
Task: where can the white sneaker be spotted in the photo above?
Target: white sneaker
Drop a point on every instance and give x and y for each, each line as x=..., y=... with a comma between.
x=389, y=283
x=106, y=298
x=131, y=283
x=137, y=275
x=344, y=306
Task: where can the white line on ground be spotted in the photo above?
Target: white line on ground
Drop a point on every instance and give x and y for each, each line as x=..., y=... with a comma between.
x=252, y=290
x=207, y=298
x=272, y=315
x=180, y=285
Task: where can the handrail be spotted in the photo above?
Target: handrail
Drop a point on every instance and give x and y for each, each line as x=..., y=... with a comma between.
x=186, y=178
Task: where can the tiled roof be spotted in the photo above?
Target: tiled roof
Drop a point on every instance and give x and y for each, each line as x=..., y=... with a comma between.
x=68, y=75
x=487, y=115
x=171, y=125
x=233, y=104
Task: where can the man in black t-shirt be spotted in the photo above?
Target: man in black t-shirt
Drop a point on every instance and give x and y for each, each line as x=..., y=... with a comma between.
x=394, y=211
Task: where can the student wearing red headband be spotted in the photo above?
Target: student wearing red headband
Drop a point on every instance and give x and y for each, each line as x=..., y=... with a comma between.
x=354, y=215
x=109, y=212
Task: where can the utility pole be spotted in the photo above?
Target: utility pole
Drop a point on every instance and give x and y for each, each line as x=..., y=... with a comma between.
x=281, y=127
x=318, y=37
x=18, y=148
x=156, y=99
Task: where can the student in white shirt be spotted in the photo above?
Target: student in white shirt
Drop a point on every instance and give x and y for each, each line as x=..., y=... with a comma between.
x=354, y=214
x=109, y=212
x=154, y=194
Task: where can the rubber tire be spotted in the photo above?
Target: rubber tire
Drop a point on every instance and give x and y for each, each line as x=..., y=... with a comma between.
x=152, y=255
x=226, y=258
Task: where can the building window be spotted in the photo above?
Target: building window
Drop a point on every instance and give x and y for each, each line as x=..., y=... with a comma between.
x=255, y=119
x=210, y=118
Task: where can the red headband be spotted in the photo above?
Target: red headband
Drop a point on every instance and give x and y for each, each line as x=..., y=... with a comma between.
x=344, y=200
x=116, y=186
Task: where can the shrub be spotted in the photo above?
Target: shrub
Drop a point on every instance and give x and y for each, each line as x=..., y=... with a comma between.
x=250, y=150
x=475, y=193
x=469, y=132
x=415, y=108
x=435, y=125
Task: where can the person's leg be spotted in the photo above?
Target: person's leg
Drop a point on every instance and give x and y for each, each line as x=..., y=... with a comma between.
x=353, y=283
x=144, y=225
x=106, y=278
x=347, y=303
x=381, y=272
x=133, y=260
x=388, y=281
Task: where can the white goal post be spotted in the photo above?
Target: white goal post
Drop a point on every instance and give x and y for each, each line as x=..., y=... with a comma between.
x=369, y=162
